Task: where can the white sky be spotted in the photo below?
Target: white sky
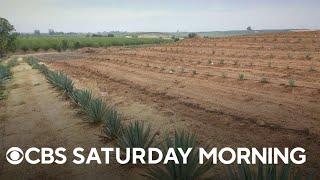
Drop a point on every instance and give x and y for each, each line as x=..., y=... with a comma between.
x=164, y=15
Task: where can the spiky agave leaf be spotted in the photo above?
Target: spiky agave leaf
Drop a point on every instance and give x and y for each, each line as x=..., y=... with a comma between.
x=136, y=134
x=113, y=125
x=62, y=81
x=81, y=97
x=96, y=110
x=264, y=172
x=172, y=171
x=66, y=83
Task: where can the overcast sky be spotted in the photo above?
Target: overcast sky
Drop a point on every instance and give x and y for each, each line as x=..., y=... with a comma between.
x=159, y=15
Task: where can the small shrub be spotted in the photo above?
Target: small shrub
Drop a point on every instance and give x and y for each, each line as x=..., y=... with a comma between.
x=35, y=48
x=221, y=61
x=24, y=48
x=76, y=45
x=64, y=45
x=210, y=62
x=269, y=64
x=192, y=35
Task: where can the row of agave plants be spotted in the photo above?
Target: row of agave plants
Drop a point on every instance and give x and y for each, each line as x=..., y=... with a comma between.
x=5, y=74
x=138, y=134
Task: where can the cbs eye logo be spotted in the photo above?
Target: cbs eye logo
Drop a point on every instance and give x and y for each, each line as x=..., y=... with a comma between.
x=14, y=155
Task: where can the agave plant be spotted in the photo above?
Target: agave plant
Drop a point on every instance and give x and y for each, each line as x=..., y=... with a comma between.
x=66, y=83
x=264, y=172
x=96, y=110
x=61, y=80
x=4, y=73
x=12, y=62
x=81, y=97
x=136, y=134
x=172, y=171
x=113, y=125
x=32, y=61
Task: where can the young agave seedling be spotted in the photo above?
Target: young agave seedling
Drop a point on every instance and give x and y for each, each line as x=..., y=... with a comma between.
x=194, y=72
x=182, y=70
x=312, y=69
x=171, y=71
x=292, y=83
x=223, y=74
x=241, y=77
x=308, y=56
x=264, y=80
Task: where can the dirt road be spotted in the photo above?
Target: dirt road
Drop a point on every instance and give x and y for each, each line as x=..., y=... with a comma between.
x=37, y=116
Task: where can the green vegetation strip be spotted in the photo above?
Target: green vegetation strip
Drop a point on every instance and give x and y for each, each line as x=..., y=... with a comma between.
x=5, y=75
x=139, y=135
x=61, y=43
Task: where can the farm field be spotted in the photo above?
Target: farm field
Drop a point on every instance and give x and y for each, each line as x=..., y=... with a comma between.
x=253, y=91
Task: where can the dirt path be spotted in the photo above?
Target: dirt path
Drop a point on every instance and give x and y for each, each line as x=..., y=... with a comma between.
x=38, y=116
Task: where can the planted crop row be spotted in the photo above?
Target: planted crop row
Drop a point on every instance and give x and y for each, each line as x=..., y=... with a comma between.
x=64, y=43
x=139, y=135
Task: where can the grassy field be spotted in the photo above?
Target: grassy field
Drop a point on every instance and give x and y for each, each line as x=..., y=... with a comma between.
x=61, y=43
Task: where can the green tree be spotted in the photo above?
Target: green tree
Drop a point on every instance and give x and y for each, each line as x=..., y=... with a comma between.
x=7, y=37
x=64, y=44
x=192, y=35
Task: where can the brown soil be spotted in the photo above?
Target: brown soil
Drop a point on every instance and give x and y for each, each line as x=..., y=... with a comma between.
x=36, y=115
x=173, y=87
